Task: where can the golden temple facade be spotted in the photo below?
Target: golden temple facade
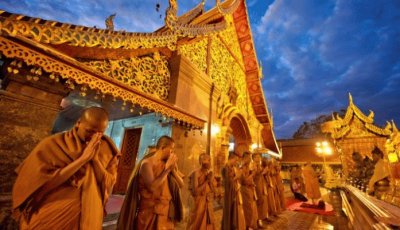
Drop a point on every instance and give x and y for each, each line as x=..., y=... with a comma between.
x=356, y=132
x=197, y=78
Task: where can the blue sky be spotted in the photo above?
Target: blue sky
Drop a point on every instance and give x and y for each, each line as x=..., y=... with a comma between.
x=313, y=52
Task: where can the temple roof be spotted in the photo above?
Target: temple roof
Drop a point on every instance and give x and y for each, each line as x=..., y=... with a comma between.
x=73, y=42
x=354, y=123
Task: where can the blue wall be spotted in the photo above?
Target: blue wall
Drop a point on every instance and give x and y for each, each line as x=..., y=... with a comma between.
x=151, y=131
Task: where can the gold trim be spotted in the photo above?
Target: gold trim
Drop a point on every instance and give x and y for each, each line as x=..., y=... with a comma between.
x=52, y=32
x=339, y=127
x=68, y=69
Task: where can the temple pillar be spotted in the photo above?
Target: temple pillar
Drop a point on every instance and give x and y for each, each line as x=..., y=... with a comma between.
x=28, y=109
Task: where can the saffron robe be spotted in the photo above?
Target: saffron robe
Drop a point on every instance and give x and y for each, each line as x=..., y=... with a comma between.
x=281, y=190
x=79, y=202
x=311, y=183
x=233, y=216
x=276, y=190
x=381, y=171
x=262, y=194
x=142, y=209
x=249, y=198
x=272, y=209
x=202, y=214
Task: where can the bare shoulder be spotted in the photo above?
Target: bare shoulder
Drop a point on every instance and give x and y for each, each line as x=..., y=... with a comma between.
x=146, y=165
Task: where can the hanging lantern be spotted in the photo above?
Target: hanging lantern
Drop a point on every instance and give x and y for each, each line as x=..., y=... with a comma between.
x=83, y=92
x=97, y=96
x=70, y=84
x=123, y=106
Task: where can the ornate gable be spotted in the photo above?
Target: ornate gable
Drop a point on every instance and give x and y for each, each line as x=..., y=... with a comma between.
x=354, y=124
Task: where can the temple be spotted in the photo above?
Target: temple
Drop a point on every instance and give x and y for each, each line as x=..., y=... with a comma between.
x=198, y=80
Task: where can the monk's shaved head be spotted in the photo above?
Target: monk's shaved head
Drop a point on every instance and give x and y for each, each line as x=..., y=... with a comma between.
x=94, y=113
x=93, y=120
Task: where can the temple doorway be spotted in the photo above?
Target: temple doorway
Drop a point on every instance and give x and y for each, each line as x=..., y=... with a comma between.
x=129, y=151
x=239, y=136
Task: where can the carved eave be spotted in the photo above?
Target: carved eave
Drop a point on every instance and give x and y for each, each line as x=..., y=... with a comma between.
x=54, y=62
x=52, y=32
x=252, y=70
x=340, y=127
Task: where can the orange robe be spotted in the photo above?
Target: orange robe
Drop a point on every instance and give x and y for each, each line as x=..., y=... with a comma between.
x=79, y=202
x=276, y=190
x=262, y=194
x=143, y=209
x=272, y=210
x=154, y=206
x=233, y=216
x=202, y=214
x=281, y=190
x=311, y=183
x=249, y=198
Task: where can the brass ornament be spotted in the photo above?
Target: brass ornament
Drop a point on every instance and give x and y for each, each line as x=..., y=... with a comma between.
x=147, y=74
x=104, y=84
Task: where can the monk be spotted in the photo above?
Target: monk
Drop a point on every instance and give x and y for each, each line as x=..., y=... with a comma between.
x=233, y=216
x=272, y=209
x=297, y=172
x=153, y=199
x=280, y=186
x=381, y=170
x=202, y=189
x=275, y=188
x=311, y=183
x=65, y=182
x=248, y=189
x=261, y=189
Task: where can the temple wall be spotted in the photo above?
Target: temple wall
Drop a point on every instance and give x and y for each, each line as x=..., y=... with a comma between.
x=152, y=129
x=27, y=113
x=191, y=91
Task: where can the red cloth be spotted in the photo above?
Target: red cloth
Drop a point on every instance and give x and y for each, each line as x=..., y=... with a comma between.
x=297, y=207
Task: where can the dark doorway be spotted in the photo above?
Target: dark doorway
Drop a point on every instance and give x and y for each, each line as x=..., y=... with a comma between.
x=129, y=150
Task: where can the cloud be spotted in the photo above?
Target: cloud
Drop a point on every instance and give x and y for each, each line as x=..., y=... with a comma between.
x=133, y=16
x=315, y=52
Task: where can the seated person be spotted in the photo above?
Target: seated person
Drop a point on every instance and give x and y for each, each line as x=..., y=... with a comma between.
x=296, y=189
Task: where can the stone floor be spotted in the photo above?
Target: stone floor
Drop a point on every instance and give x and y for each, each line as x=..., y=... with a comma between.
x=289, y=220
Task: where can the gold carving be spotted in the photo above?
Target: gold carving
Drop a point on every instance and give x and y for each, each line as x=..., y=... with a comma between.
x=189, y=30
x=226, y=68
x=95, y=81
x=196, y=53
x=110, y=22
x=230, y=9
x=354, y=124
x=51, y=32
x=147, y=74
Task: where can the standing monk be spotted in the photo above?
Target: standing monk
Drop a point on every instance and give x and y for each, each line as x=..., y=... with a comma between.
x=272, y=209
x=280, y=186
x=233, y=216
x=65, y=181
x=312, y=184
x=153, y=198
x=202, y=190
x=248, y=190
x=261, y=189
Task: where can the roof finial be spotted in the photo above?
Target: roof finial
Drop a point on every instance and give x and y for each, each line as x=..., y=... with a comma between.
x=110, y=22
x=394, y=127
x=350, y=99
